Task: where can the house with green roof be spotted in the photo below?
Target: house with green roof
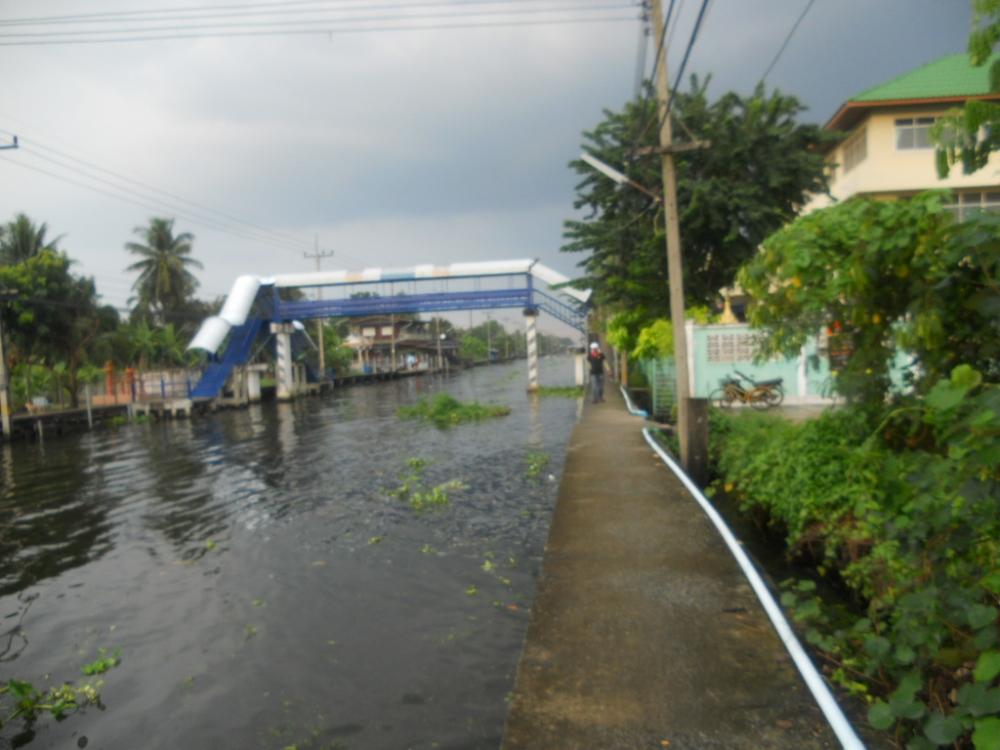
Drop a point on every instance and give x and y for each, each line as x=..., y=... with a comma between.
x=887, y=152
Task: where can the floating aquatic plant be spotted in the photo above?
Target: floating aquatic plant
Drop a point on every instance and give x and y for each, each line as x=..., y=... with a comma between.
x=445, y=410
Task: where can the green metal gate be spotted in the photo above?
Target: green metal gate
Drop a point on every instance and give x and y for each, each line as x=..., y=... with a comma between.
x=662, y=377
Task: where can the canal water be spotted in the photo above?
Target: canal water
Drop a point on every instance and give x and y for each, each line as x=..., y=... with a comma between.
x=263, y=585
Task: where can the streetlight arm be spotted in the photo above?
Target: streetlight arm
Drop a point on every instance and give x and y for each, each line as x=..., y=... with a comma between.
x=617, y=176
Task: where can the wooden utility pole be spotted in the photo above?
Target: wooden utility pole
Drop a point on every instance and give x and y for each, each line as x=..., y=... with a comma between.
x=674, y=269
x=319, y=295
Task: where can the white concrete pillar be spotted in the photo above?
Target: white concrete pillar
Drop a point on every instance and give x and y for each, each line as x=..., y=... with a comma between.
x=579, y=360
x=530, y=319
x=283, y=367
x=253, y=385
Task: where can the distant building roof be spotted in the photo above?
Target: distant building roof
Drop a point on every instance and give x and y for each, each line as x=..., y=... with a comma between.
x=947, y=80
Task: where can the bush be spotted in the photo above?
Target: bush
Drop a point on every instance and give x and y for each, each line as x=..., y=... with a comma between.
x=903, y=506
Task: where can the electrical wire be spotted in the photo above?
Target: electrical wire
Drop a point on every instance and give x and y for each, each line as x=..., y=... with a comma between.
x=255, y=231
x=663, y=36
x=184, y=213
x=127, y=199
x=317, y=31
x=687, y=55
x=248, y=11
x=209, y=10
x=640, y=56
x=788, y=38
x=274, y=234
x=309, y=22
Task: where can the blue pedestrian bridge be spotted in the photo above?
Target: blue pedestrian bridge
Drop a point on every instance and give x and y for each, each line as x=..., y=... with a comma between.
x=256, y=303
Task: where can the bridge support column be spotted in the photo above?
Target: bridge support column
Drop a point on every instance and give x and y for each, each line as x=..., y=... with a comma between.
x=530, y=319
x=283, y=368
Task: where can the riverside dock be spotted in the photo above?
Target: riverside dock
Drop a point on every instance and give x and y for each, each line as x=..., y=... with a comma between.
x=644, y=633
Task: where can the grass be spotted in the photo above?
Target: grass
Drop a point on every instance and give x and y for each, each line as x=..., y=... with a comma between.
x=444, y=411
x=561, y=391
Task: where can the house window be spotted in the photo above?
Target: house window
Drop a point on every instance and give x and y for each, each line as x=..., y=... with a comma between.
x=969, y=204
x=387, y=330
x=368, y=332
x=914, y=132
x=855, y=151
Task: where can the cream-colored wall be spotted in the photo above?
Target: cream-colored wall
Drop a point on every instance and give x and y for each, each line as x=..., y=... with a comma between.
x=888, y=170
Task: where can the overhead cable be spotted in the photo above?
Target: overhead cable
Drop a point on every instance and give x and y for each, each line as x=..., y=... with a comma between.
x=788, y=38
x=279, y=9
x=298, y=22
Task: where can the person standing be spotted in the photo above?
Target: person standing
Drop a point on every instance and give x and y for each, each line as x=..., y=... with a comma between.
x=596, y=360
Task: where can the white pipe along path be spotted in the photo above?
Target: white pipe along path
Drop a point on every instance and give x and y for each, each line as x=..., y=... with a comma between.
x=814, y=681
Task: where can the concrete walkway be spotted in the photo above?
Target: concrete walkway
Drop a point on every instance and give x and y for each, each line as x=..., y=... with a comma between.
x=644, y=632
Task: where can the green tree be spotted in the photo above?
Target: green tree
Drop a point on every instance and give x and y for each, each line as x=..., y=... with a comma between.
x=969, y=135
x=883, y=278
x=472, y=348
x=759, y=168
x=55, y=316
x=338, y=356
x=21, y=239
x=165, y=283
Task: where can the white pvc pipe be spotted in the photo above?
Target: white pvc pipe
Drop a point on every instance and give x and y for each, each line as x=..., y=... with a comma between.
x=827, y=703
x=632, y=409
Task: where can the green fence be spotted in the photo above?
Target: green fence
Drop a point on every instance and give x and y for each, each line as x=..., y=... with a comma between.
x=662, y=377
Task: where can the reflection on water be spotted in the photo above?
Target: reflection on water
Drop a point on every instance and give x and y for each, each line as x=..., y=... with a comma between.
x=262, y=584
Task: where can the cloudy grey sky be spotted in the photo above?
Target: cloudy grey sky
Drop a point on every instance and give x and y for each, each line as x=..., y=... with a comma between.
x=393, y=147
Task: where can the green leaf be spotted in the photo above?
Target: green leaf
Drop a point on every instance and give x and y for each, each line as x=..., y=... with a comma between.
x=966, y=377
x=986, y=735
x=979, y=699
x=945, y=396
x=942, y=729
x=987, y=667
x=877, y=646
x=905, y=654
x=880, y=716
x=981, y=615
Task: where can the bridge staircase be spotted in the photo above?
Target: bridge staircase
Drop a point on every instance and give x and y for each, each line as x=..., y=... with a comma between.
x=238, y=351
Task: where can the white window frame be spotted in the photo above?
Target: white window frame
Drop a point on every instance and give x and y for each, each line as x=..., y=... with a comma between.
x=969, y=202
x=913, y=127
x=855, y=150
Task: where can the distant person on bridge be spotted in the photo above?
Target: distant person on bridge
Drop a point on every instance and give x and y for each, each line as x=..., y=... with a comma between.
x=596, y=359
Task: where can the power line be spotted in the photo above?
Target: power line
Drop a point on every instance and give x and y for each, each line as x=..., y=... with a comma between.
x=684, y=61
x=314, y=31
x=235, y=11
x=267, y=235
x=206, y=220
x=210, y=9
x=663, y=36
x=640, y=56
x=126, y=199
x=788, y=38
x=310, y=21
x=254, y=231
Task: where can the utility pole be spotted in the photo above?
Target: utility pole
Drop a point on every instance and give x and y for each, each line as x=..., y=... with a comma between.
x=5, y=422
x=319, y=295
x=674, y=269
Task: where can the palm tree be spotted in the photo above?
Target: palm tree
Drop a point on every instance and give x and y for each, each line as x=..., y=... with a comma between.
x=164, y=282
x=21, y=239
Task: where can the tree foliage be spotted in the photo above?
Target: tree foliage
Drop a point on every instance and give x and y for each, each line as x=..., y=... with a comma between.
x=882, y=278
x=760, y=167
x=969, y=135
x=165, y=284
x=22, y=239
x=54, y=317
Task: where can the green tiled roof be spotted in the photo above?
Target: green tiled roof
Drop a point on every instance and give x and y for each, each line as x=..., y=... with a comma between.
x=948, y=76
